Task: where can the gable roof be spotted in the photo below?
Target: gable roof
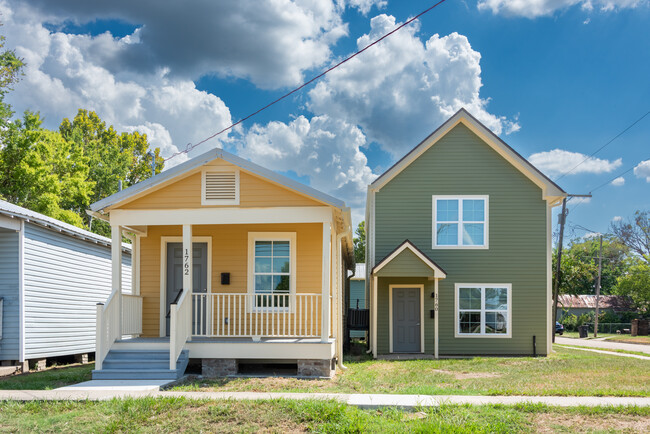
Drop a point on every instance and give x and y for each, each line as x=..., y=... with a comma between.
x=196, y=162
x=550, y=189
x=14, y=211
x=437, y=269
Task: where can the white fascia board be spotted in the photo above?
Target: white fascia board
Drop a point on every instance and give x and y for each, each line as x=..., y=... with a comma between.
x=9, y=222
x=550, y=191
x=206, y=216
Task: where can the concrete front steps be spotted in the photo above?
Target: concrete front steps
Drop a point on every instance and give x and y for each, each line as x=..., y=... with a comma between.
x=140, y=364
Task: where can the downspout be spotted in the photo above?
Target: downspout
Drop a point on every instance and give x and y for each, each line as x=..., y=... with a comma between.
x=339, y=296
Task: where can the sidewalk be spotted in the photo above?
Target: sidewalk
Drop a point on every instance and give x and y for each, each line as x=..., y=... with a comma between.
x=605, y=345
x=367, y=401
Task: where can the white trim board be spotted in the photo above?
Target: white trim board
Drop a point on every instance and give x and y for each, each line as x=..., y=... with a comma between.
x=206, y=216
x=164, y=240
x=390, y=314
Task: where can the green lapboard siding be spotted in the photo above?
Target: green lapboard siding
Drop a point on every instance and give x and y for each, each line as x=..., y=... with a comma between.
x=462, y=164
x=406, y=263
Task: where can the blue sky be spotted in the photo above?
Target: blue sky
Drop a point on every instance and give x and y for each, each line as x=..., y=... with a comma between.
x=556, y=79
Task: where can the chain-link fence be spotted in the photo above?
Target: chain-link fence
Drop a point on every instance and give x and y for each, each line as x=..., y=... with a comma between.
x=611, y=327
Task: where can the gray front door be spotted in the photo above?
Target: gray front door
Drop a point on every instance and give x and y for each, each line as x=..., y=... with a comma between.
x=406, y=320
x=175, y=274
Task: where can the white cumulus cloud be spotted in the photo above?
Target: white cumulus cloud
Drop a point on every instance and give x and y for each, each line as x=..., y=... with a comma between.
x=403, y=88
x=537, y=8
x=364, y=6
x=642, y=170
x=559, y=162
x=618, y=182
x=617, y=218
x=326, y=150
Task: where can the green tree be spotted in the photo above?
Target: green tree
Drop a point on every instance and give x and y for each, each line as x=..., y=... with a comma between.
x=10, y=71
x=635, y=283
x=42, y=171
x=579, y=265
x=360, y=243
x=113, y=157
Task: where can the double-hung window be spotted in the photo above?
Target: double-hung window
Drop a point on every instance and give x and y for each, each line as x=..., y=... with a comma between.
x=272, y=269
x=460, y=222
x=483, y=310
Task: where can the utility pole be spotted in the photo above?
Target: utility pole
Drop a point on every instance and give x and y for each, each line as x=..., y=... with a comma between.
x=556, y=289
x=600, y=269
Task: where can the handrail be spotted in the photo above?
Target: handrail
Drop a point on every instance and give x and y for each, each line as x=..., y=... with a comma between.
x=180, y=292
x=180, y=327
x=131, y=314
x=108, y=328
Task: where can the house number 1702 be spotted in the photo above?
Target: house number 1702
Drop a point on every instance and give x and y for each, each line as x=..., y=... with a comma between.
x=186, y=263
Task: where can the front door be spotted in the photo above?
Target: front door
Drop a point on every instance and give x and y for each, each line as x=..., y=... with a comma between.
x=406, y=320
x=175, y=276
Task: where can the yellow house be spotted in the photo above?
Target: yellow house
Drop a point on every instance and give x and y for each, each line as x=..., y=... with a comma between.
x=265, y=258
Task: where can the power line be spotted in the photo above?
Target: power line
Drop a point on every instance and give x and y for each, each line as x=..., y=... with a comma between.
x=602, y=147
x=608, y=182
x=191, y=146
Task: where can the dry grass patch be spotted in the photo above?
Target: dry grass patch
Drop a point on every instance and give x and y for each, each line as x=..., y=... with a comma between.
x=554, y=422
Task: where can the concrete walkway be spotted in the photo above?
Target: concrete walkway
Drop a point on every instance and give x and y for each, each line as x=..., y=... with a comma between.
x=601, y=344
x=123, y=385
x=368, y=401
x=609, y=353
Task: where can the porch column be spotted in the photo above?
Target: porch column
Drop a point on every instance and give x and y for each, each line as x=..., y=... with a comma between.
x=435, y=318
x=374, y=317
x=325, y=294
x=188, y=267
x=116, y=266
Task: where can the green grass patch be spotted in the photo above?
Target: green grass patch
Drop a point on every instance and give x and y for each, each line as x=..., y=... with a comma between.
x=576, y=335
x=52, y=378
x=636, y=353
x=180, y=414
x=566, y=372
x=627, y=339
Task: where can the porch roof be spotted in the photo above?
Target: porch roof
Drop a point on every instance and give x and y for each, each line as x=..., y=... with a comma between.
x=408, y=260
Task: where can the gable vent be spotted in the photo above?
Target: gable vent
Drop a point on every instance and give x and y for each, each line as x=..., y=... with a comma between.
x=220, y=188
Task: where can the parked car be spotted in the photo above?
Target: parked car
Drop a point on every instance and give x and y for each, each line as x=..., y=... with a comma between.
x=559, y=328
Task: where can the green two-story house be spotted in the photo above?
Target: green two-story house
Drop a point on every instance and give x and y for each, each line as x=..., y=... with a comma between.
x=459, y=248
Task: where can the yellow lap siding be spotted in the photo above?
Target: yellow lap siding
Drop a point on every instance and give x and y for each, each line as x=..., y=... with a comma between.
x=229, y=255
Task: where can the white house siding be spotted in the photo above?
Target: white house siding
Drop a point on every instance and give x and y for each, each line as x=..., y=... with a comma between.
x=9, y=293
x=65, y=277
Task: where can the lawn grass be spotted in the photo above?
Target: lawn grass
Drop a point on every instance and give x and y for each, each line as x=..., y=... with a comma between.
x=645, y=340
x=180, y=414
x=576, y=335
x=566, y=372
x=52, y=378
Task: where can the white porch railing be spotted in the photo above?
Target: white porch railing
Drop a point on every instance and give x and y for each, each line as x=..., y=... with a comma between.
x=256, y=315
x=108, y=328
x=131, y=314
x=180, y=327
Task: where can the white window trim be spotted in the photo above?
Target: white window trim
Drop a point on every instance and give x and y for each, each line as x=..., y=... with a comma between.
x=457, y=333
x=390, y=314
x=205, y=201
x=486, y=223
x=272, y=236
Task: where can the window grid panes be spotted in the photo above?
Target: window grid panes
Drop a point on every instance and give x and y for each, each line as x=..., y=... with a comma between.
x=460, y=222
x=272, y=270
x=483, y=310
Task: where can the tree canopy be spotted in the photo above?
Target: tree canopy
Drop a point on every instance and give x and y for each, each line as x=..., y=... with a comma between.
x=360, y=243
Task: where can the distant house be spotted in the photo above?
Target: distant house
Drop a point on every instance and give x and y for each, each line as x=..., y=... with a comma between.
x=52, y=275
x=358, y=295
x=586, y=303
x=459, y=248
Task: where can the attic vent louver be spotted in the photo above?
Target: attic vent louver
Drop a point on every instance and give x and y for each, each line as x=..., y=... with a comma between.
x=220, y=188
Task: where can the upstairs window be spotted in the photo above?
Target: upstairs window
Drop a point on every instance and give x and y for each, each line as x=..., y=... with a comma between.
x=460, y=222
x=220, y=187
